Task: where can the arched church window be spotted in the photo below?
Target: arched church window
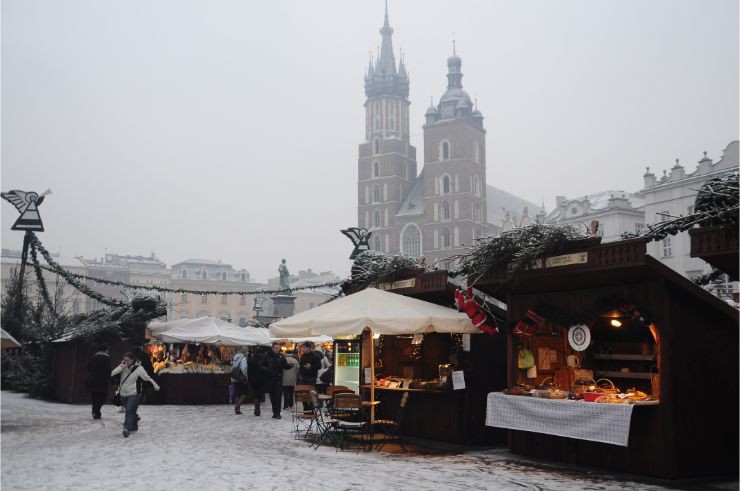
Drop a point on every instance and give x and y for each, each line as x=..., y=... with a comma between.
x=446, y=239
x=444, y=150
x=376, y=242
x=376, y=169
x=376, y=194
x=445, y=210
x=376, y=219
x=476, y=152
x=376, y=146
x=411, y=240
x=446, y=184
x=476, y=186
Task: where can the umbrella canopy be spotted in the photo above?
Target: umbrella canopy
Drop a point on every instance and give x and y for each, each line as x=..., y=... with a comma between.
x=211, y=330
x=157, y=328
x=8, y=341
x=313, y=339
x=383, y=312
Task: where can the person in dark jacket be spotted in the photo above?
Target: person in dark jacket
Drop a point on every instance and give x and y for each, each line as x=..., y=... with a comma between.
x=273, y=364
x=310, y=363
x=257, y=377
x=98, y=377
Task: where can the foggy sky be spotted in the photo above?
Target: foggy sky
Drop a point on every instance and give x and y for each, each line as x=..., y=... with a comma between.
x=229, y=129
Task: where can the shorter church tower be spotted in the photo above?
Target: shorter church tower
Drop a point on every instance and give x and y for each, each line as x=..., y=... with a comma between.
x=454, y=170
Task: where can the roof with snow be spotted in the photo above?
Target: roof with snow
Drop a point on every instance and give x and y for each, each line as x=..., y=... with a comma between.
x=593, y=203
x=500, y=201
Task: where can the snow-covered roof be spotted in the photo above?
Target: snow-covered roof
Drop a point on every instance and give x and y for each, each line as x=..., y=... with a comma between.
x=413, y=204
x=202, y=262
x=10, y=257
x=500, y=201
x=597, y=202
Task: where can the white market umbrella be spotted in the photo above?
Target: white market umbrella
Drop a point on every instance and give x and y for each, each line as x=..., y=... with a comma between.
x=8, y=341
x=212, y=330
x=380, y=311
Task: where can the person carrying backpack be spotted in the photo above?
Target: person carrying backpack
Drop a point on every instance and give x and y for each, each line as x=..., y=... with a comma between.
x=239, y=378
x=130, y=371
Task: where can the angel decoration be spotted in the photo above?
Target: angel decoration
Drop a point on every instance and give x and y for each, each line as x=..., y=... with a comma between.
x=27, y=203
x=360, y=238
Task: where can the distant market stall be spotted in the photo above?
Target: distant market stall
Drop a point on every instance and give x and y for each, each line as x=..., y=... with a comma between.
x=655, y=356
x=192, y=357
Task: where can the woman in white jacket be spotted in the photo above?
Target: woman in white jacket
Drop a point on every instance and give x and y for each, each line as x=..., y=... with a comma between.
x=130, y=371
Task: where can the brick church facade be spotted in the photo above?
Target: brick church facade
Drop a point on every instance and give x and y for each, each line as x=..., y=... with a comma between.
x=436, y=210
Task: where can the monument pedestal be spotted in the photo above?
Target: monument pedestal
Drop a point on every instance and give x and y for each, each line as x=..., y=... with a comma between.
x=283, y=305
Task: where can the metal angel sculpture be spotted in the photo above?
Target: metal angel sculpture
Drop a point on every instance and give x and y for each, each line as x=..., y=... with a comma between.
x=27, y=203
x=360, y=238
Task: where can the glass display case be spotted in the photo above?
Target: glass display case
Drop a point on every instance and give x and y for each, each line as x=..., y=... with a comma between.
x=347, y=363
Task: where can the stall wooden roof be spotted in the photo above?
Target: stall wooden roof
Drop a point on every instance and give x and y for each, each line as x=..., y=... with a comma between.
x=614, y=263
x=718, y=246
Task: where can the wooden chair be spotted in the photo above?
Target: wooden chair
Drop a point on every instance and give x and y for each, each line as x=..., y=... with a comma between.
x=338, y=388
x=303, y=420
x=391, y=426
x=304, y=388
x=350, y=426
x=346, y=406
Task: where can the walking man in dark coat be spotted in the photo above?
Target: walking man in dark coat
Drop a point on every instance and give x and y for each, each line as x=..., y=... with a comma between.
x=273, y=364
x=98, y=376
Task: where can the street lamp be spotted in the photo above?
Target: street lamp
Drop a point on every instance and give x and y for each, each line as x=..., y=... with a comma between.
x=258, y=301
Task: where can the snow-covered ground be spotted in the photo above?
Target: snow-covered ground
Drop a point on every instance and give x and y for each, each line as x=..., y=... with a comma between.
x=58, y=446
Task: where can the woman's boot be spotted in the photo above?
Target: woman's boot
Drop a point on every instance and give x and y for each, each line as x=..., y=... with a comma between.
x=257, y=407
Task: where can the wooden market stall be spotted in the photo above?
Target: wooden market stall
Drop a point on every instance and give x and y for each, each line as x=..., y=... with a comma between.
x=417, y=365
x=650, y=331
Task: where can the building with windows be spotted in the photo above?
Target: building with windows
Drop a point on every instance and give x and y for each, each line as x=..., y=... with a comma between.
x=433, y=212
x=617, y=212
x=673, y=195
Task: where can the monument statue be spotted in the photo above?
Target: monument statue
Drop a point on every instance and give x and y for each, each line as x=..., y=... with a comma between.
x=284, y=276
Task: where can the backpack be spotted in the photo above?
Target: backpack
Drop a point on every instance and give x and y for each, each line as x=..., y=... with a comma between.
x=237, y=375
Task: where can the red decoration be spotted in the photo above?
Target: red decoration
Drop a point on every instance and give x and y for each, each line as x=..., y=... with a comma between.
x=465, y=302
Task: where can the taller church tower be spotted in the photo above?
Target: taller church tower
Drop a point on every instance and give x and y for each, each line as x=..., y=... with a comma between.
x=386, y=165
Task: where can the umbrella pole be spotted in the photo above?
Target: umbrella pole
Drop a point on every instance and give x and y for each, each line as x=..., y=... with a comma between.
x=372, y=377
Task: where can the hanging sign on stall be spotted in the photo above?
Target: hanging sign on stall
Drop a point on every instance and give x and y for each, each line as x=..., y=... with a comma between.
x=563, y=260
x=466, y=342
x=458, y=380
x=395, y=285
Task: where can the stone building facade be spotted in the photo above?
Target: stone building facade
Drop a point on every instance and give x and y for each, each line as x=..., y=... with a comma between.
x=673, y=195
x=617, y=212
x=436, y=211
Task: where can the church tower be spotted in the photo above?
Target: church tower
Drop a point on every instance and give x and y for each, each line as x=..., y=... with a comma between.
x=454, y=170
x=387, y=160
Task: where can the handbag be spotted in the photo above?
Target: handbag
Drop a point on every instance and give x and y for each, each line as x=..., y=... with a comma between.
x=237, y=375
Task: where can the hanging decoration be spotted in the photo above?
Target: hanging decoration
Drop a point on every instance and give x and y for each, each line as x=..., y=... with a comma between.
x=579, y=337
x=466, y=302
x=417, y=347
x=529, y=325
x=536, y=318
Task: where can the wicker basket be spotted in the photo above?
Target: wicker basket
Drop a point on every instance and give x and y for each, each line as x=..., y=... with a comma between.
x=580, y=386
x=612, y=389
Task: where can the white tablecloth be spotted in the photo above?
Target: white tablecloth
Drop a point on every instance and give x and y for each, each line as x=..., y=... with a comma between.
x=605, y=423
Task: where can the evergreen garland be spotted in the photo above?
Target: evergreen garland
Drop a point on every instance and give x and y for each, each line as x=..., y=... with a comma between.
x=374, y=267
x=716, y=203
x=519, y=247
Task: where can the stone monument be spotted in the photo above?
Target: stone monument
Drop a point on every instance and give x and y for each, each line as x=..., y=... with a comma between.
x=283, y=303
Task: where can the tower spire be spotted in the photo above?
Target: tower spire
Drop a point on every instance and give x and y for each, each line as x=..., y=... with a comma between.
x=386, y=61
